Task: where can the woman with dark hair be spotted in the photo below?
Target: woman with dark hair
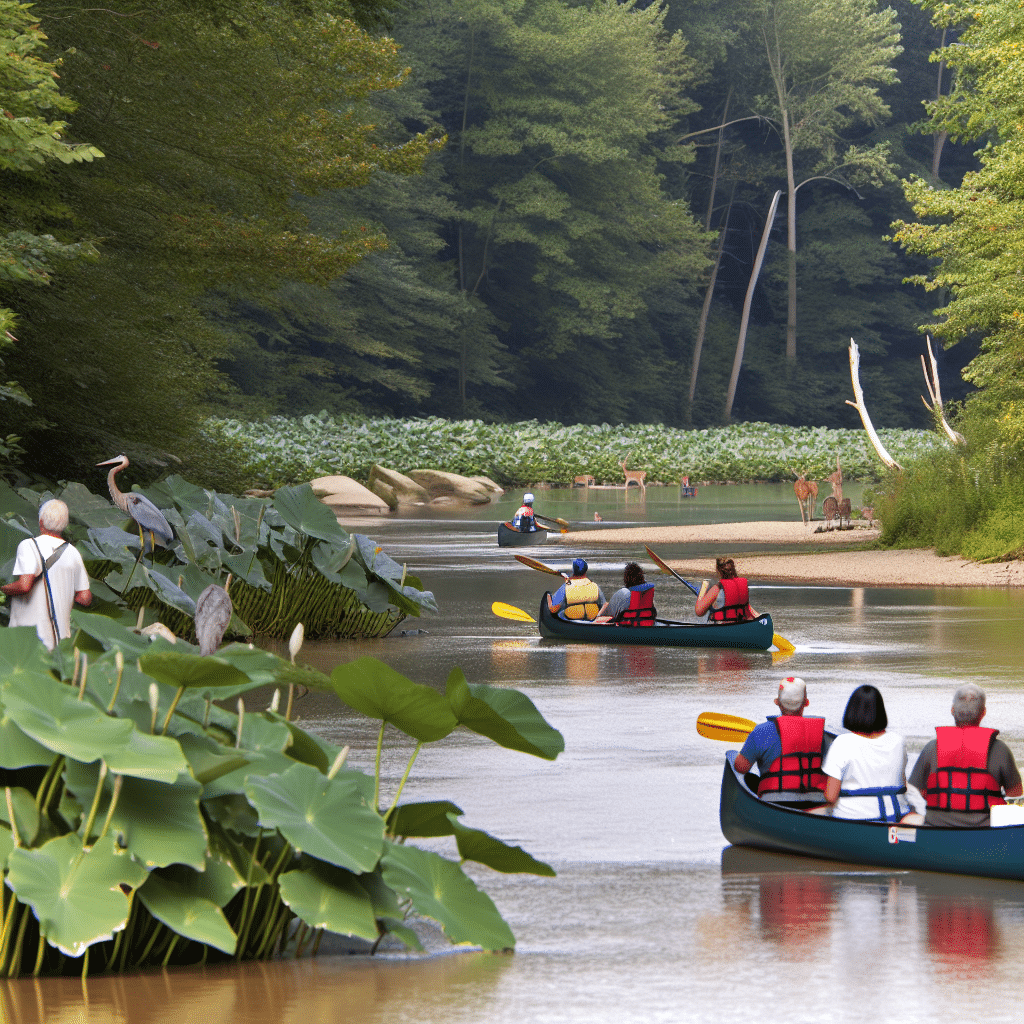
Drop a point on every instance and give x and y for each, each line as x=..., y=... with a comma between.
x=633, y=604
x=866, y=768
x=729, y=599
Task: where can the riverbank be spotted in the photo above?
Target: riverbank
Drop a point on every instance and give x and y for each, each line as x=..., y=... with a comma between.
x=829, y=563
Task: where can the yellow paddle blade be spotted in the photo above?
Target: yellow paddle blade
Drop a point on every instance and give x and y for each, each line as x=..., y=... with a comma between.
x=714, y=725
x=784, y=646
x=510, y=611
x=532, y=563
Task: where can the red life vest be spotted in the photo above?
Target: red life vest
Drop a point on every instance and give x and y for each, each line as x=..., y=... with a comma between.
x=799, y=766
x=961, y=781
x=641, y=610
x=737, y=606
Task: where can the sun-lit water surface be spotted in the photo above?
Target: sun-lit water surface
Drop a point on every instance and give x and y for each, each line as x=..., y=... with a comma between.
x=651, y=918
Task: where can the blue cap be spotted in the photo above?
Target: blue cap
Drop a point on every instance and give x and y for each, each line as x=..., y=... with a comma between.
x=579, y=567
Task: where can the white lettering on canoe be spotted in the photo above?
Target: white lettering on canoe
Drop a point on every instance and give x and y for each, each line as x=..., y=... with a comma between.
x=902, y=835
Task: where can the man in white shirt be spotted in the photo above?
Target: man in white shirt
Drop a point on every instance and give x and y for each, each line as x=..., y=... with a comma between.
x=50, y=577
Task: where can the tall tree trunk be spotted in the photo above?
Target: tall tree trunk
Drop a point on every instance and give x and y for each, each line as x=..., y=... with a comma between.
x=939, y=138
x=745, y=320
x=790, y=242
x=462, y=255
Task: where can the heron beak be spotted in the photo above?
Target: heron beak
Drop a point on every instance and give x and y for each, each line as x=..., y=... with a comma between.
x=109, y=462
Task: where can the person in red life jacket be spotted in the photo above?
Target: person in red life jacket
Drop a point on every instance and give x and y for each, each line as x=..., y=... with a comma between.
x=787, y=748
x=866, y=766
x=578, y=598
x=965, y=770
x=633, y=604
x=728, y=599
x=524, y=520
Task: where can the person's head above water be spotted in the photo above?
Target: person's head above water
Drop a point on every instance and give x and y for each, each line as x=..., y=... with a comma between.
x=579, y=567
x=632, y=575
x=792, y=698
x=726, y=568
x=527, y=498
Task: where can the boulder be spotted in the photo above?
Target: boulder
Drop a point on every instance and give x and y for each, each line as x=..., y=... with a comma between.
x=385, y=491
x=342, y=493
x=405, y=489
x=494, y=488
x=450, y=485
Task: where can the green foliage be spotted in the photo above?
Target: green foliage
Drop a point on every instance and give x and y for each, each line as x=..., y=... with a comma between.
x=281, y=449
x=122, y=869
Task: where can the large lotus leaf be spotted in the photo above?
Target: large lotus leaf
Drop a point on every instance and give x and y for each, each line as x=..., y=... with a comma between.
x=376, y=559
x=21, y=654
x=506, y=716
x=157, y=758
x=327, y=818
x=160, y=582
x=26, y=814
x=261, y=762
x=248, y=569
x=176, y=490
x=189, y=915
x=377, y=597
x=485, y=849
x=75, y=893
x=110, y=544
x=304, y=512
x=207, y=758
x=306, y=747
x=234, y=813
x=378, y=691
x=353, y=576
x=14, y=503
x=16, y=749
x=423, y=820
x=90, y=508
x=411, y=600
x=328, y=897
x=160, y=823
x=325, y=557
x=110, y=634
x=194, y=672
x=203, y=532
x=439, y=889
x=217, y=882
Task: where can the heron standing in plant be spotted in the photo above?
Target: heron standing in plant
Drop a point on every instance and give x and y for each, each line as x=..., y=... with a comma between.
x=147, y=516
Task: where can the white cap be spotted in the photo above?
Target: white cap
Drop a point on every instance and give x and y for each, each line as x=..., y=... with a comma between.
x=792, y=693
x=527, y=498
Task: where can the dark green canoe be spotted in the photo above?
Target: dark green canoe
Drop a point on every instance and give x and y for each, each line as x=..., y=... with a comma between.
x=748, y=821
x=510, y=537
x=755, y=635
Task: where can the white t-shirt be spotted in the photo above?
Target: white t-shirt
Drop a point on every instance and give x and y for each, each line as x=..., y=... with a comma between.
x=861, y=763
x=67, y=577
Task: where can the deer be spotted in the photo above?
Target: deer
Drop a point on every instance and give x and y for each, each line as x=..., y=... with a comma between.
x=806, y=491
x=836, y=506
x=634, y=476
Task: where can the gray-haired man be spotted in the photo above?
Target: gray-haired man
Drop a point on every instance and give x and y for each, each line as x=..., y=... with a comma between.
x=50, y=576
x=965, y=770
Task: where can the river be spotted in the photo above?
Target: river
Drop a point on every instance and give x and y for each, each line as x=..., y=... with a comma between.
x=651, y=918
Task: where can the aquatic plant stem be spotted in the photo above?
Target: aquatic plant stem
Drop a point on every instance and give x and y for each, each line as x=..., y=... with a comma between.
x=118, y=783
x=170, y=710
x=405, y=777
x=10, y=816
x=376, y=786
x=119, y=664
x=15, y=968
x=40, y=950
x=94, y=810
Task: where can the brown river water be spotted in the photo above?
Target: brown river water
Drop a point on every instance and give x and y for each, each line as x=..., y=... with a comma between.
x=652, y=918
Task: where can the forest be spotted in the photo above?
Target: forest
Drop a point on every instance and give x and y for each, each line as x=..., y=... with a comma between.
x=497, y=209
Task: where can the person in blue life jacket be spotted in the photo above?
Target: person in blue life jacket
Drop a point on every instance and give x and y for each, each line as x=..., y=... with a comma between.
x=787, y=748
x=578, y=599
x=728, y=600
x=524, y=520
x=965, y=770
x=633, y=603
x=866, y=767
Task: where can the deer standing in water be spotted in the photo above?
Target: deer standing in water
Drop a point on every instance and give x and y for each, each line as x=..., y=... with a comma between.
x=634, y=476
x=806, y=495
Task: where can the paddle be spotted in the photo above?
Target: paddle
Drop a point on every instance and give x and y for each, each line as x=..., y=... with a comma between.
x=784, y=646
x=510, y=611
x=553, y=519
x=718, y=726
x=532, y=563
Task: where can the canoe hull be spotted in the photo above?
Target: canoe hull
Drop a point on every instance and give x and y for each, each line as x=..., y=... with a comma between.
x=751, y=636
x=747, y=821
x=509, y=538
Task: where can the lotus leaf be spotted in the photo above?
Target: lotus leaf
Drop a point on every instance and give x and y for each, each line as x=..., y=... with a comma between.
x=187, y=914
x=329, y=897
x=378, y=691
x=157, y=758
x=16, y=749
x=194, y=672
x=233, y=812
x=166, y=589
x=26, y=814
x=300, y=508
x=423, y=820
x=75, y=893
x=217, y=882
x=237, y=855
x=110, y=633
x=508, y=717
x=395, y=926
x=89, y=507
x=326, y=818
x=260, y=763
x=161, y=824
x=377, y=560
x=207, y=758
x=248, y=569
x=485, y=849
x=439, y=889
x=21, y=653
x=378, y=596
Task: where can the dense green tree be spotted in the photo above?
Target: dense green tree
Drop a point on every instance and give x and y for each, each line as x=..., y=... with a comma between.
x=215, y=122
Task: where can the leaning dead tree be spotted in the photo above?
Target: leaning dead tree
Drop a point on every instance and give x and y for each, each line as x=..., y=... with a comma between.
x=935, y=393
x=859, y=405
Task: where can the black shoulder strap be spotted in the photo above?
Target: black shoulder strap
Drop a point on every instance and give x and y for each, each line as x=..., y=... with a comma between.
x=48, y=564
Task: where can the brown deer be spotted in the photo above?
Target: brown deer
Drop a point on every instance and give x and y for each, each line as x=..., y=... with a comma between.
x=583, y=481
x=634, y=476
x=835, y=506
x=806, y=495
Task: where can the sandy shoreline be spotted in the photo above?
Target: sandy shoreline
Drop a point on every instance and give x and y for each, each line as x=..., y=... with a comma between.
x=826, y=562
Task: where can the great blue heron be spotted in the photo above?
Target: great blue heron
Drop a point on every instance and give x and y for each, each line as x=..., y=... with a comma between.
x=147, y=516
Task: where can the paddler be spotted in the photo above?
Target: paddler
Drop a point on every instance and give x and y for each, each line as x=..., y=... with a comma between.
x=578, y=599
x=524, y=520
x=729, y=599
